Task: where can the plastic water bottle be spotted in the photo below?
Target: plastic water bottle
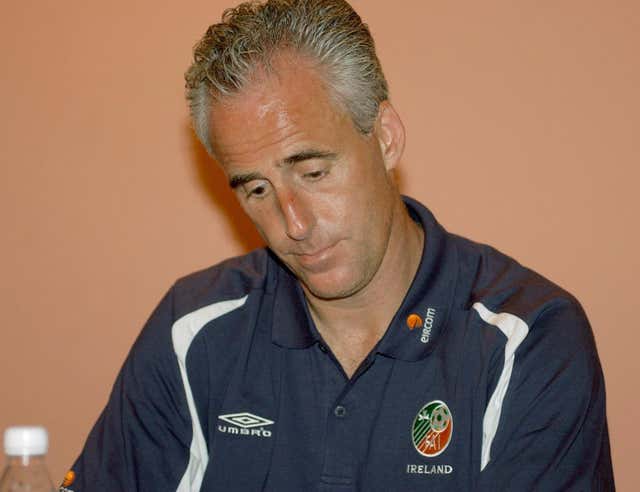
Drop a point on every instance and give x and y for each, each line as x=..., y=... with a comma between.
x=26, y=471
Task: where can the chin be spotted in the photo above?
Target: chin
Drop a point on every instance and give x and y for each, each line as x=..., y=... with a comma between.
x=332, y=287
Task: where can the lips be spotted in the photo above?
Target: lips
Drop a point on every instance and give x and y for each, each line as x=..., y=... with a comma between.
x=317, y=260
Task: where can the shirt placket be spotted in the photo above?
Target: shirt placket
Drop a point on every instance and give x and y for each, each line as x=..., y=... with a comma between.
x=349, y=415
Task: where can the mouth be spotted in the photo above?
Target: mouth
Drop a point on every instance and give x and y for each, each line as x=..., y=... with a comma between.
x=316, y=260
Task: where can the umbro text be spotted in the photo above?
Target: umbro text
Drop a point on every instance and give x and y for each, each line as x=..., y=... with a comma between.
x=228, y=429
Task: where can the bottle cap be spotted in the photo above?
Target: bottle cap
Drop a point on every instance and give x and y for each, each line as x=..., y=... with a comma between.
x=25, y=440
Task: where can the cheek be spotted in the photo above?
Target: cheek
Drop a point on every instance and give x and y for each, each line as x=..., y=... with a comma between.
x=261, y=219
x=265, y=227
x=339, y=208
x=342, y=208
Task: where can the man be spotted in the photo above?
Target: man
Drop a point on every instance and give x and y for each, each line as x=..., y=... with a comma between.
x=366, y=348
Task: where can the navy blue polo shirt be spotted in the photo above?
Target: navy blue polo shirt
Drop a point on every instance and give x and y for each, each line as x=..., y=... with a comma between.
x=487, y=378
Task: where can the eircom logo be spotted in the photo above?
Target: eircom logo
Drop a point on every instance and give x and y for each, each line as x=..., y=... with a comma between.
x=414, y=320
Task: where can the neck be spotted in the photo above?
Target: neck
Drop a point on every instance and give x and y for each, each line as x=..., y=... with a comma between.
x=352, y=326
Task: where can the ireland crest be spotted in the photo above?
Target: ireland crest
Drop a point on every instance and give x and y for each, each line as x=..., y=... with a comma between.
x=432, y=429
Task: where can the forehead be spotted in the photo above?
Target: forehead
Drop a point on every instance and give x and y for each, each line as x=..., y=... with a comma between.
x=278, y=110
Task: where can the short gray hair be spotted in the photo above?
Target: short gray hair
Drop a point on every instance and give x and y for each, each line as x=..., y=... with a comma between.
x=328, y=32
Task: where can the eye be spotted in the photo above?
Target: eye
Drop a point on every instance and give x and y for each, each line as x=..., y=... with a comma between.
x=255, y=190
x=315, y=174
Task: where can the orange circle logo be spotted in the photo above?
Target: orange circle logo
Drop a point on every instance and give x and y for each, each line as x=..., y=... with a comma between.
x=69, y=478
x=413, y=321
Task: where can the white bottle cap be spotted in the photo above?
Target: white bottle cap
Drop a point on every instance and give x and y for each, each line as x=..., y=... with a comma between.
x=25, y=440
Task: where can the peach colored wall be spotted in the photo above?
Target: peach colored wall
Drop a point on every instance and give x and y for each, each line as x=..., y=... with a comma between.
x=522, y=122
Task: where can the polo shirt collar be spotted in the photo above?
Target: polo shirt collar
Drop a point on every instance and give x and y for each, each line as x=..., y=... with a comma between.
x=292, y=322
x=421, y=318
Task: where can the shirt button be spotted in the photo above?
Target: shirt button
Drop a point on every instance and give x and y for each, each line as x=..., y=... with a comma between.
x=340, y=411
x=323, y=348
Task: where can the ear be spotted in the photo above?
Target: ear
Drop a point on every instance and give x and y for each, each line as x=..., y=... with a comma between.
x=390, y=133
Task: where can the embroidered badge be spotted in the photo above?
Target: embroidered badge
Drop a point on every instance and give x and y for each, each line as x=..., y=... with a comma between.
x=432, y=429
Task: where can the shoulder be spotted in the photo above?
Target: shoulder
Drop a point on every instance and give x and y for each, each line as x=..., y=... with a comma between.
x=535, y=316
x=502, y=285
x=231, y=279
x=199, y=296
x=548, y=341
x=546, y=336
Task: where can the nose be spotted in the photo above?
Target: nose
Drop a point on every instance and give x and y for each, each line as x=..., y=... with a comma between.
x=297, y=215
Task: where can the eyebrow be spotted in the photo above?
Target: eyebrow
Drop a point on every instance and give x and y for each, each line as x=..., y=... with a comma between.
x=241, y=179
x=309, y=154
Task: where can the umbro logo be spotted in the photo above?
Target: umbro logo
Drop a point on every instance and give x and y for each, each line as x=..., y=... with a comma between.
x=245, y=424
x=245, y=420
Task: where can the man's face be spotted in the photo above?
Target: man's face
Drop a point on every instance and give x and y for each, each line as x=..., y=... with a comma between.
x=318, y=191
